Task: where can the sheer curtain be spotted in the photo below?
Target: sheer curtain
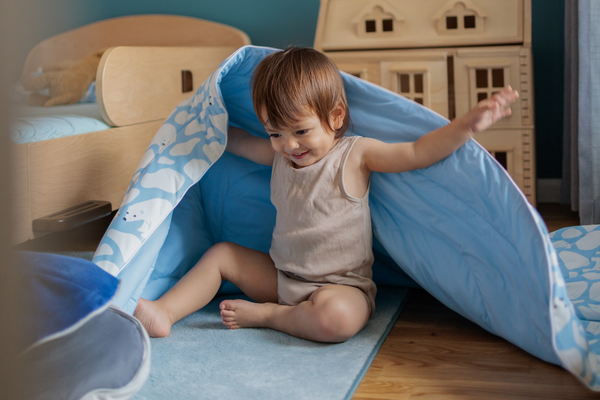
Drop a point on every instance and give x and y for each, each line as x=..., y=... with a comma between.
x=581, y=156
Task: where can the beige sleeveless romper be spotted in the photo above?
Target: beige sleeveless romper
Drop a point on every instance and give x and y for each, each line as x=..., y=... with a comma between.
x=322, y=234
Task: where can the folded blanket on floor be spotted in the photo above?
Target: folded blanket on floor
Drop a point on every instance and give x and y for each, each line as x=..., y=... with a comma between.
x=75, y=344
x=461, y=228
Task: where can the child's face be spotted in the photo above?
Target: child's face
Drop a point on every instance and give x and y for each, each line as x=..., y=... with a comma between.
x=305, y=142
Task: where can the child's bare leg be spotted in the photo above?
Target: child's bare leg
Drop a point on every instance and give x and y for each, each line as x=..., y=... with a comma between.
x=333, y=313
x=252, y=271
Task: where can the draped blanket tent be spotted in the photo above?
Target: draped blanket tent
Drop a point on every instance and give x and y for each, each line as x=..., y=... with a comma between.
x=460, y=229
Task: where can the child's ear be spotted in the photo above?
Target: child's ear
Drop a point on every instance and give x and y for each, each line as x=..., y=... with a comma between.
x=337, y=117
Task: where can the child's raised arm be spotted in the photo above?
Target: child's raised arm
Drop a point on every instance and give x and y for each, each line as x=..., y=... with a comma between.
x=438, y=144
x=254, y=148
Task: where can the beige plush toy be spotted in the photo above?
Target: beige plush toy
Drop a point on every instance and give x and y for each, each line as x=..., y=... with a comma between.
x=66, y=81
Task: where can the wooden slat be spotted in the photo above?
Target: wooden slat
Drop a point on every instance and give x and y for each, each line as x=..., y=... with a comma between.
x=139, y=84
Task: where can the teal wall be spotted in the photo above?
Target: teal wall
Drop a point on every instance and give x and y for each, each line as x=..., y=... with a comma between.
x=279, y=23
x=27, y=22
x=548, y=61
x=275, y=23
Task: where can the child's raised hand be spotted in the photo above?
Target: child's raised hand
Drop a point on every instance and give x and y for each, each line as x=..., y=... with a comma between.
x=489, y=111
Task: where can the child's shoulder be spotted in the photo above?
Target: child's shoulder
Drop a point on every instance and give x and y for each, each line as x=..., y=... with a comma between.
x=361, y=143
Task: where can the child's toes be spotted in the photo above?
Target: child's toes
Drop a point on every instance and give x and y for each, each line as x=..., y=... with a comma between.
x=227, y=318
x=227, y=314
x=226, y=305
x=230, y=324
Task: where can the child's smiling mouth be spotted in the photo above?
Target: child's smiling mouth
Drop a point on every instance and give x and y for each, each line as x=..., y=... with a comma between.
x=299, y=156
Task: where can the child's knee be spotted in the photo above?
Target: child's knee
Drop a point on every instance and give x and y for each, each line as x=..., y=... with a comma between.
x=229, y=258
x=337, y=320
x=221, y=250
x=221, y=255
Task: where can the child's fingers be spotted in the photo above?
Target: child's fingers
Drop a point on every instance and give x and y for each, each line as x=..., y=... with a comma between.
x=509, y=90
x=511, y=93
x=507, y=94
x=505, y=97
x=503, y=101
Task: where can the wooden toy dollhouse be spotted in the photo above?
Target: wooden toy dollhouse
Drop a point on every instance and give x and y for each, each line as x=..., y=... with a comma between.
x=446, y=55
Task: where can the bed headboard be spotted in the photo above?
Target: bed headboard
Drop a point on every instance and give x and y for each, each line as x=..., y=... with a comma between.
x=136, y=84
x=137, y=30
x=139, y=78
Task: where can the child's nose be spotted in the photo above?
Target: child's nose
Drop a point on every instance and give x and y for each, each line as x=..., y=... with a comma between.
x=291, y=144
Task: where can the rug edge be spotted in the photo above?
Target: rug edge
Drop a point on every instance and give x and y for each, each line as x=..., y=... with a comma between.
x=375, y=350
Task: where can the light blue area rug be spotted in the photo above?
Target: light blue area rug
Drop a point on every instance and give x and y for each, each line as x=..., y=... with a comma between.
x=202, y=359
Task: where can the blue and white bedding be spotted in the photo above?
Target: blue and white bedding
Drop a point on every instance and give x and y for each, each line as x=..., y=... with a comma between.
x=35, y=124
x=578, y=251
x=461, y=229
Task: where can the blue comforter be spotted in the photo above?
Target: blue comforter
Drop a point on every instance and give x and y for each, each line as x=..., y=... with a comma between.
x=461, y=229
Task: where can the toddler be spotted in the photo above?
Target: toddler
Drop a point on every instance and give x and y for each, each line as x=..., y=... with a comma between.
x=315, y=283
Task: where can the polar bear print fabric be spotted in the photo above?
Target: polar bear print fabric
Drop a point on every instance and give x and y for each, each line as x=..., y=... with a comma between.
x=181, y=152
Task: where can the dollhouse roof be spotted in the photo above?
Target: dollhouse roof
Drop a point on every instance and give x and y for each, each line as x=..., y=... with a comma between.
x=338, y=19
x=384, y=5
x=452, y=3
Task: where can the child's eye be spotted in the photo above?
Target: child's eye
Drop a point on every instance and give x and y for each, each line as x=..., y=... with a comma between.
x=274, y=135
x=301, y=132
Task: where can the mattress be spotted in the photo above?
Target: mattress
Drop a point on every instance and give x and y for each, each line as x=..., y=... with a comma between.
x=35, y=124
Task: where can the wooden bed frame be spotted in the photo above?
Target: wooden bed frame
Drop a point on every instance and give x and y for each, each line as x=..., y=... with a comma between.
x=138, y=84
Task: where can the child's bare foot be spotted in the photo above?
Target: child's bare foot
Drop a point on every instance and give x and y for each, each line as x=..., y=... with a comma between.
x=156, y=322
x=244, y=314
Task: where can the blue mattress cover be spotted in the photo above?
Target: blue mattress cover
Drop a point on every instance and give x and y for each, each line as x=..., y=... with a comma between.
x=461, y=229
x=35, y=124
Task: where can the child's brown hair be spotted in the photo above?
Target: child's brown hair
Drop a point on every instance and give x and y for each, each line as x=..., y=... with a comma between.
x=289, y=84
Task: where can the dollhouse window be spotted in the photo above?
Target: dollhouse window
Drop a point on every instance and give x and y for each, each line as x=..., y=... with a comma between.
x=370, y=26
x=481, y=78
x=460, y=17
x=469, y=22
x=501, y=157
x=498, y=77
x=388, y=25
x=486, y=81
x=412, y=86
x=378, y=18
x=451, y=23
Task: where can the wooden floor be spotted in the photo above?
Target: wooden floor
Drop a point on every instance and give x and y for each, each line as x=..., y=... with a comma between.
x=434, y=353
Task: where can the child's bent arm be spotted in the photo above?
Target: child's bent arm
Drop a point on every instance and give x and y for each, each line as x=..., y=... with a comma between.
x=254, y=148
x=438, y=144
